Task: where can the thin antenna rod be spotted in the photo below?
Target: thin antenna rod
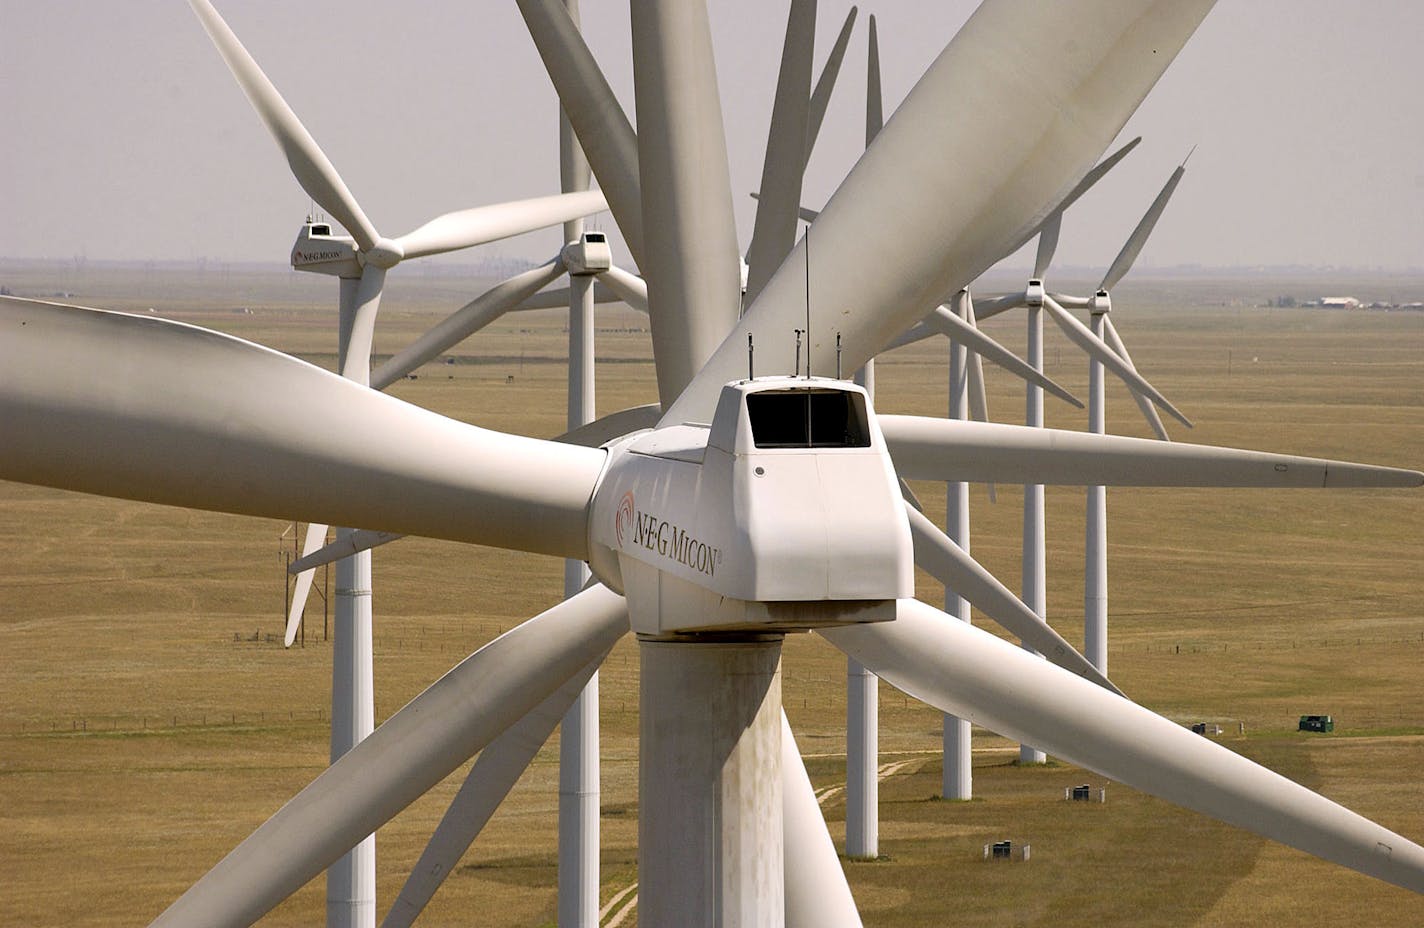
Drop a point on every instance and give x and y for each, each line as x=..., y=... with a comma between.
x=838, y=357
x=808, y=304
x=751, y=372
x=796, y=371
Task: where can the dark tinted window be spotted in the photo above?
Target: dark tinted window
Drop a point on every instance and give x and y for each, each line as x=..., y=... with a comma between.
x=807, y=419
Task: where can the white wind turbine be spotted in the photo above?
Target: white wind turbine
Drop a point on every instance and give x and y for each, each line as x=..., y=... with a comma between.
x=361, y=262
x=700, y=536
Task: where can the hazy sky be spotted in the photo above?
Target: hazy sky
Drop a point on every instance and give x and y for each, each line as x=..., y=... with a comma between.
x=124, y=137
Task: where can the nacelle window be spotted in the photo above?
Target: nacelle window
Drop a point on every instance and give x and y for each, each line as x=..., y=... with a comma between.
x=808, y=419
x=321, y=230
x=595, y=237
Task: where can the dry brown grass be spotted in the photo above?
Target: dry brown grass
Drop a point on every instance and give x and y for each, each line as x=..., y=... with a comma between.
x=1249, y=606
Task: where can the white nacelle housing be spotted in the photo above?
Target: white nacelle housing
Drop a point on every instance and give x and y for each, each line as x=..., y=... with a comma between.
x=320, y=252
x=589, y=255
x=784, y=513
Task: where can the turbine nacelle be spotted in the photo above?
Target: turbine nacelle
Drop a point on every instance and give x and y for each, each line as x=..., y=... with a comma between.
x=318, y=251
x=588, y=255
x=1100, y=304
x=785, y=513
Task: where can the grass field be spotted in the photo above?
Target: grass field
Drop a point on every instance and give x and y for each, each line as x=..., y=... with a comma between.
x=148, y=721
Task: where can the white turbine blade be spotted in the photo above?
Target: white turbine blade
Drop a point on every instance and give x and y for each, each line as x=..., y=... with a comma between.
x=978, y=398
x=1084, y=185
x=1149, y=411
x=558, y=298
x=952, y=327
x=821, y=94
x=817, y=894
x=315, y=538
x=966, y=672
x=938, y=555
x=345, y=546
x=1041, y=120
x=493, y=775
x=598, y=119
x=630, y=288
x=142, y=408
x=915, y=333
x=469, y=227
x=946, y=449
x=306, y=159
x=992, y=306
x=466, y=321
x=1047, y=243
x=687, y=192
x=774, y=231
x=1133, y=247
x=415, y=749
x=614, y=425
x=1084, y=338
x=874, y=98
x=356, y=362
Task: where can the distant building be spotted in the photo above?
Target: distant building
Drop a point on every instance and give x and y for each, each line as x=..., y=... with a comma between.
x=1339, y=302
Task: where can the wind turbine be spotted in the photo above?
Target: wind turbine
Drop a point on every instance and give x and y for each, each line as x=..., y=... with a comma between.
x=782, y=511
x=361, y=262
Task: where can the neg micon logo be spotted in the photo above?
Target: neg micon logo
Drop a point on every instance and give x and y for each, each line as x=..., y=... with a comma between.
x=624, y=516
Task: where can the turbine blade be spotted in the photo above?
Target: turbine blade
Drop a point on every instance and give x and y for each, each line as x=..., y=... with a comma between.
x=951, y=326
x=774, y=231
x=598, y=119
x=315, y=538
x=466, y=321
x=1047, y=243
x=938, y=555
x=143, y=408
x=630, y=288
x=1084, y=338
x=493, y=775
x=992, y=306
x=945, y=449
x=469, y=227
x=978, y=398
x=821, y=95
x=817, y=894
x=1133, y=247
x=915, y=333
x=345, y=546
x=558, y=298
x=874, y=98
x=687, y=190
x=415, y=749
x=309, y=164
x=1042, y=119
x=1084, y=185
x=614, y=425
x=1149, y=412
x=356, y=362
x=966, y=672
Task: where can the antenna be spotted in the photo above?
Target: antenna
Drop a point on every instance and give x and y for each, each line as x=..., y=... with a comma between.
x=838, y=357
x=796, y=371
x=751, y=374
x=808, y=310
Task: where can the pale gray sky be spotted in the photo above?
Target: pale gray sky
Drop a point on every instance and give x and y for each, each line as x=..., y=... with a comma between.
x=124, y=137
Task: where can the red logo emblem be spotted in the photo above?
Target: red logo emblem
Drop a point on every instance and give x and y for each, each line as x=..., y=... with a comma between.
x=624, y=516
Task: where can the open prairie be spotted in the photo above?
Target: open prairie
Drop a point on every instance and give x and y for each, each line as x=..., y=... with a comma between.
x=150, y=718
